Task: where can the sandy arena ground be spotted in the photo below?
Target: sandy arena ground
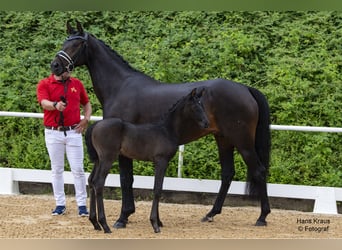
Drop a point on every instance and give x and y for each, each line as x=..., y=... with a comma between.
x=28, y=216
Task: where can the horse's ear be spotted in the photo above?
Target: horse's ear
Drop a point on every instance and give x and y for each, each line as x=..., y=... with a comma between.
x=193, y=92
x=70, y=30
x=79, y=27
x=201, y=92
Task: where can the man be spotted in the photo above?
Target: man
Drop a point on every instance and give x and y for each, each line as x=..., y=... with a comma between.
x=61, y=98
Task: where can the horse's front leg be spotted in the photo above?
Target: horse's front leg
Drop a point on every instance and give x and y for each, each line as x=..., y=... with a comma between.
x=160, y=169
x=126, y=183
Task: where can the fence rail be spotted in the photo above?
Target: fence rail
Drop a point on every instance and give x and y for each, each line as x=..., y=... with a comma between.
x=273, y=127
x=325, y=197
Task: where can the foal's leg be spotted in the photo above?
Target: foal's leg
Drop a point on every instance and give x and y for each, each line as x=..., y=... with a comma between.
x=257, y=181
x=92, y=212
x=160, y=169
x=226, y=156
x=99, y=182
x=126, y=183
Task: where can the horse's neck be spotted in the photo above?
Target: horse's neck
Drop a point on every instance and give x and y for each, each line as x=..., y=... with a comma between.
x=106, y=74
x=104, y=84
x=108, y=71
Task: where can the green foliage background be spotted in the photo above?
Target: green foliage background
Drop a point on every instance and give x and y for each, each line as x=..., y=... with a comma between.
x=294, y=58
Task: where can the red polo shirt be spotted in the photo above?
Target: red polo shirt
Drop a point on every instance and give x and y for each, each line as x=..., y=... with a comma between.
x=74, y=92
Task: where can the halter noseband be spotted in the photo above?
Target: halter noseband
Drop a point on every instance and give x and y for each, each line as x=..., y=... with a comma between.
x=62, y=54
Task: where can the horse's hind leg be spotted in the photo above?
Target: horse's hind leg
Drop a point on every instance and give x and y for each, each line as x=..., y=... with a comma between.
x=227, y=173
x=257, y=182
x=92, y=214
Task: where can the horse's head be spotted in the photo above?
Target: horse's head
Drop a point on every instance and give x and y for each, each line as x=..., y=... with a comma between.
x=194, y=106
x=73, y=51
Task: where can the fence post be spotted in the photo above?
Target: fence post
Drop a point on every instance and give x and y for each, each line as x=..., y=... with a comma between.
x=325, y=202
x=180, y=160
x=7, y=185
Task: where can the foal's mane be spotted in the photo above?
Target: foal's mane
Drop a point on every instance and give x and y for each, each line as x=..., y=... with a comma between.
x=173, y=108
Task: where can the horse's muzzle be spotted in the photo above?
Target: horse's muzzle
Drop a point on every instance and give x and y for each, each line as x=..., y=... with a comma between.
x=56, y=68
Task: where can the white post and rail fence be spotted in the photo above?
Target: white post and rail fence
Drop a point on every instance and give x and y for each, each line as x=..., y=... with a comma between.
x=325, y=197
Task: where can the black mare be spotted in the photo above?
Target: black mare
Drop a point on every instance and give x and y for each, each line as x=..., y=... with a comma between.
x=239, y=115
x=155, y=142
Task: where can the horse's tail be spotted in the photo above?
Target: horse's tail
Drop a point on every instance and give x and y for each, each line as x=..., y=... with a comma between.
x=262, y=142
x=93, y=156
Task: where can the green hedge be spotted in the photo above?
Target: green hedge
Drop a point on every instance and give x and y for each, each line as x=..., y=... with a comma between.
x=294, y=58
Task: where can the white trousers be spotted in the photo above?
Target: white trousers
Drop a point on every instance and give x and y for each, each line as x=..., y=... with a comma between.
x=72, y=145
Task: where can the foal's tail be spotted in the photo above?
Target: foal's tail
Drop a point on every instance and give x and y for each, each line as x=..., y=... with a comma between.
x=89, y=143
x=262, y=141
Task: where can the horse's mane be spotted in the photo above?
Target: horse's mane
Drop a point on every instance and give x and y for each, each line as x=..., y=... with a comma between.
x=114, y=53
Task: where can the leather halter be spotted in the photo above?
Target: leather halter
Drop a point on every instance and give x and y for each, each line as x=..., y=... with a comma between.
x=71, y=62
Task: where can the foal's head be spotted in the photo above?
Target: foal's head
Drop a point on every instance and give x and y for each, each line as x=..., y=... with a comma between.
x=190, y=109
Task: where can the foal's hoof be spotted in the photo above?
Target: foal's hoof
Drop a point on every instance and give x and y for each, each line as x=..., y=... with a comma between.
x=96, y=225
x=260, y=223
x=156, y=225
x=207, y=219
x=160, y=224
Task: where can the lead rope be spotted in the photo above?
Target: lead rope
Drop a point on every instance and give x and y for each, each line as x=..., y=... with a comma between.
x=63, y=99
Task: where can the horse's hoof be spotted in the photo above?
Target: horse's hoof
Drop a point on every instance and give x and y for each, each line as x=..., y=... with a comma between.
x=207, y=219
x=157, y=230
x=107, y=231
x=260, y=223
x=119, y=225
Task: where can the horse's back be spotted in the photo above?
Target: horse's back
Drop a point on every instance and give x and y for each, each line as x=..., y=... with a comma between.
x=229, y=104
x=223, y=93
x=233, y=111
x=231, y=98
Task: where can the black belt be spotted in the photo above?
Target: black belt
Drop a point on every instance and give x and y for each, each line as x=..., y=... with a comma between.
x=61, y=128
